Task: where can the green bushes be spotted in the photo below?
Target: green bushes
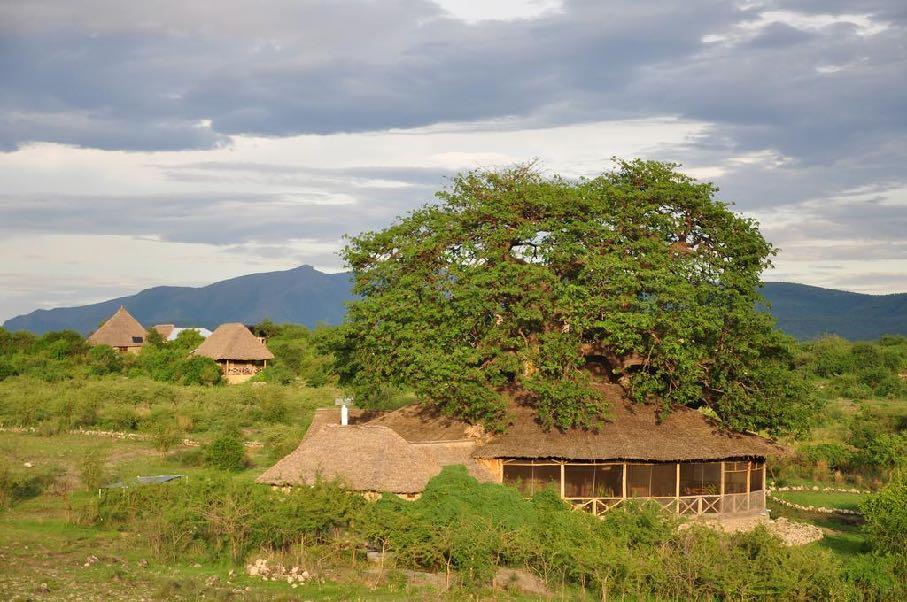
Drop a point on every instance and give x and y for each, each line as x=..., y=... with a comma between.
x=886, y=516
x=222, y=518
x=226, y=452
x=140, y=404
x=469, y=529
x=17, y=485
x=859, y=370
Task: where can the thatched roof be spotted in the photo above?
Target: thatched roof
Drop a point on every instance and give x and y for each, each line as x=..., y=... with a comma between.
x=631, y=432
x=121, y=330
x=420, y=424
x=164, y=330
x=364, y=458
x=368, y=457
x=233, y=341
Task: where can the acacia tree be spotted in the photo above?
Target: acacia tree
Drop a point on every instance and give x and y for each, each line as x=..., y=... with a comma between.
x=520, y=282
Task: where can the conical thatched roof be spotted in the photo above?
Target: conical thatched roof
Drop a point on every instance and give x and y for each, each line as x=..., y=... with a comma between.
x=233, y=341
x=121, y=330
x=363, y=458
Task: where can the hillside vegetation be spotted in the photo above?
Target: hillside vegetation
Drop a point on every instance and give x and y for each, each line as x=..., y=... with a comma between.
x=79, y=419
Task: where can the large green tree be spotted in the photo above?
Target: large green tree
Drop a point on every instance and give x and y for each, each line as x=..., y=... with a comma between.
x=518, y=282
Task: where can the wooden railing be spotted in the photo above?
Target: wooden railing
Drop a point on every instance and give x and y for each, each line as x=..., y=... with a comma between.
x=689, y=504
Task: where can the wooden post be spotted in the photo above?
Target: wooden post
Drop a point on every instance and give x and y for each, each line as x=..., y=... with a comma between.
x=624, y=485
x=677, y=490
x=749, y=465
x=721, y=504
x=562, y=481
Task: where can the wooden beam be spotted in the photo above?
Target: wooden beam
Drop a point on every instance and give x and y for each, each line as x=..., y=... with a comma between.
x=677, y=489
x=562, y=481
x=624, y=486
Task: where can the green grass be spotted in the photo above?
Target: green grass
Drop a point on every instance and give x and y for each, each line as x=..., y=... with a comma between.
x=40, y=543
x=828, y=499
x=843, y=534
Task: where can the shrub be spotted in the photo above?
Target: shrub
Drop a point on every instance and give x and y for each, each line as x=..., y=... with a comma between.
x=834, y=455
x=226, y=518
x=104, y=359
x=17, y=485
x=226, y=452
x=92, y=471
x=885, y=514
x=165, y=433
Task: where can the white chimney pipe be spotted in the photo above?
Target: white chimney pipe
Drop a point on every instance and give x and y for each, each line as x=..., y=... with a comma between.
x=344, y=415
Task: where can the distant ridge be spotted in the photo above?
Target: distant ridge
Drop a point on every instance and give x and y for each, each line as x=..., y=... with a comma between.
x=807, y=312
x=306, y=296
x=302, y=295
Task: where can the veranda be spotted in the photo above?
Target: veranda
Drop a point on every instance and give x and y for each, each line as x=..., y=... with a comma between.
x=725, y=487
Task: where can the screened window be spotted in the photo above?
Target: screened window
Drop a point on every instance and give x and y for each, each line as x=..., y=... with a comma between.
x=651, y=480
x=735, y=477
x=700, y=478
x=593, y=480
x=757, y=474
x=532, y=478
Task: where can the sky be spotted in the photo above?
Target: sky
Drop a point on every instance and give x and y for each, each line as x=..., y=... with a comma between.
x=182, y=142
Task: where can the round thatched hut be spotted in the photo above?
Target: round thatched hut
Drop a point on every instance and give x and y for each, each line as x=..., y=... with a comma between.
x=240, y=354
x=121, y=331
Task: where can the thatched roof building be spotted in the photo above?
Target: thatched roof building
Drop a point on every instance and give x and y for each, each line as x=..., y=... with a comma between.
x=233, y=341
x=240, y=353
x=121, y=331
x=686, y=461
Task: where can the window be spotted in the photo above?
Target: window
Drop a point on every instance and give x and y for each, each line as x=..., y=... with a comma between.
x=757, y=475
x=735, y=477
x=700, y=478
x=593, y=480
x=531, y=478
x=651, y=480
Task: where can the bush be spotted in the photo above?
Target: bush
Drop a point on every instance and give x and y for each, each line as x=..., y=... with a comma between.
x=886, y=516
x=92, y=471
x=226, y=452
x=225, y=518
x=104, y=359
x=16, y=485
x=834, y=455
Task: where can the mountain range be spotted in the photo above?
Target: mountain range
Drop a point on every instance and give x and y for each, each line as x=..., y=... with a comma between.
x=306, y=296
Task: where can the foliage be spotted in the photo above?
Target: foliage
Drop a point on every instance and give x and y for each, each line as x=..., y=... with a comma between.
x=886, y=516
x=226, y=452
x=17, y=485
x=299, y=353
x=146, y=406
x=519, y=279
x=92, y=471
x=224, y=517
x=104, y=359
x=633, y=552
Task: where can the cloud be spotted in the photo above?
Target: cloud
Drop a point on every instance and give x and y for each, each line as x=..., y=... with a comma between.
x=194, y=128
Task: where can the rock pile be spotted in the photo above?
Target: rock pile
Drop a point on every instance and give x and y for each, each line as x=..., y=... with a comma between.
x=794, y=533
x=277, y=572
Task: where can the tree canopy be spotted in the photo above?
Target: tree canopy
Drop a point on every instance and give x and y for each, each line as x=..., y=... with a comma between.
x=517, y=281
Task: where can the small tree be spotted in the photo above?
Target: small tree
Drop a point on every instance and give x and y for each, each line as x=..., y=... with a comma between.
x=104, y=359
x=886, y=516
x=226, y=452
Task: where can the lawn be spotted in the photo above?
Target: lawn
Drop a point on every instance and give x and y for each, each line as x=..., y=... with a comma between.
x=827, y=499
